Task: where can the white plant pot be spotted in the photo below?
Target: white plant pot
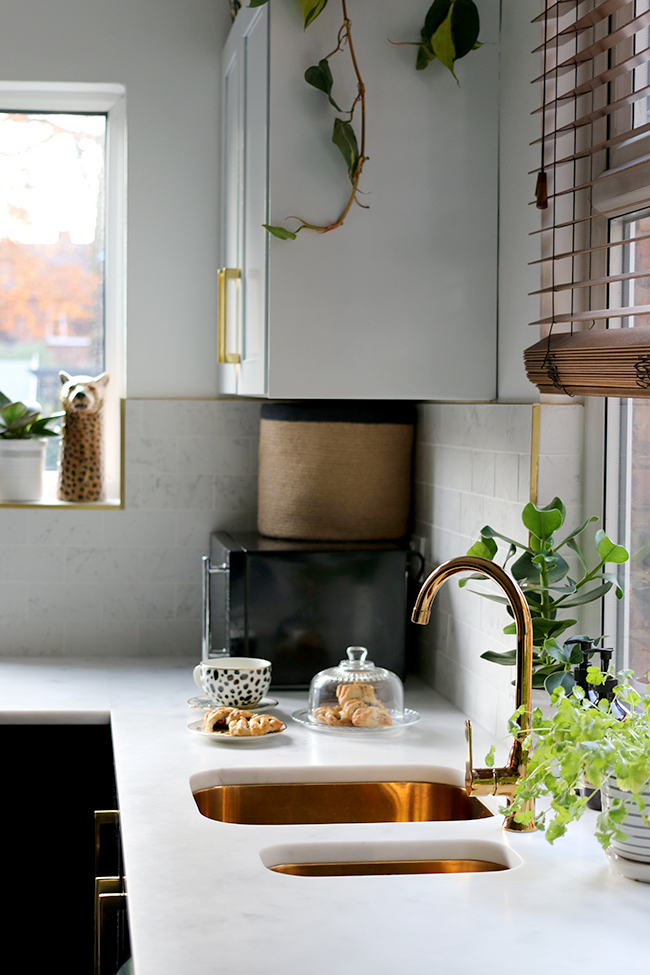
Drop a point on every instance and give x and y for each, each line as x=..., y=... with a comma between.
x=22, y=463
x=636, y=845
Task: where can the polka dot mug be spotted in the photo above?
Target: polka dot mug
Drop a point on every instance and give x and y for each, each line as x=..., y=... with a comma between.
x=236, y=682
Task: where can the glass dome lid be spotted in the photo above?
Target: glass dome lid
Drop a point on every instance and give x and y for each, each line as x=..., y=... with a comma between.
x=356, y=694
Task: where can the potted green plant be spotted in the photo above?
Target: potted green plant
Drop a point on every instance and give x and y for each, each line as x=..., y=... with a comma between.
x=604, y=744
x=23, y=439
x=543, y=574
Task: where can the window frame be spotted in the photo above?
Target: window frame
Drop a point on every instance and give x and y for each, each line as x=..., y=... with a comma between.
x=41, y=96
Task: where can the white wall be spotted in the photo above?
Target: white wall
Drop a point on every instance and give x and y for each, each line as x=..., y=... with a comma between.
x=166, y=52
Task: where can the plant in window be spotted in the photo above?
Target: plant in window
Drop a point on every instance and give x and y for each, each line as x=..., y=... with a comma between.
x=543, y=574
x=21, y=422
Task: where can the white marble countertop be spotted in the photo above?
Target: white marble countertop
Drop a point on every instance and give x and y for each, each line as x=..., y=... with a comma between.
x=201, y=900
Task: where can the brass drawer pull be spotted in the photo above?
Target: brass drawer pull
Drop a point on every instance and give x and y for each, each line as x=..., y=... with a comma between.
x=225, y=274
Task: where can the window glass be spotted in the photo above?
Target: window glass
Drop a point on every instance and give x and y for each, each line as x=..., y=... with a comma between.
x=52, y=189
x=632, y=418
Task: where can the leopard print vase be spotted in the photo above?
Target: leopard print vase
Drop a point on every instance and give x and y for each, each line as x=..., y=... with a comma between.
x=81, y=468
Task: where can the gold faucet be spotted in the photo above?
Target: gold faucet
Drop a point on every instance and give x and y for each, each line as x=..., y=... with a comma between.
x=493, y=781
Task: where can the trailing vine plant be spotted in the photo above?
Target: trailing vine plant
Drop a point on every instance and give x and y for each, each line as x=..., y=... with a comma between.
x=450, y=31
x=344, y=137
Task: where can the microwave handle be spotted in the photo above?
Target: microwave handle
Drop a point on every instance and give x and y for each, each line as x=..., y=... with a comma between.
x=208, y=569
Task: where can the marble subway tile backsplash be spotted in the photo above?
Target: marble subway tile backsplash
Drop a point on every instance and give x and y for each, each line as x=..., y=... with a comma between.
x=128, y=582
x=472, y=468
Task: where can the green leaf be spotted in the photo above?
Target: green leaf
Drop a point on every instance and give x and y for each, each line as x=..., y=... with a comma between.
x=562, y=678
x=443, y=45
x=4, y=401
x=425, y=56
x=567, y=653
x=436, y=13
x=345, y=140
x=487, y=532
x=586, y=597
x=257, y=3
x=12, y=413
x=450, y=31
x=608, y=550
x=279, y=232
x=507, y=659
x=614, y=581
x=543, y=522
x=319, y=76
x=573, y=545
x=488, y=595
x=526, y=570
x=463, y=582
x=311, y=9
x=485, y=548
x=576, y=531
x=465, y=26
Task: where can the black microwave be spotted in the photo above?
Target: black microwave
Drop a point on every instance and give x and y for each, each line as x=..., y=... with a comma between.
x=301, y=604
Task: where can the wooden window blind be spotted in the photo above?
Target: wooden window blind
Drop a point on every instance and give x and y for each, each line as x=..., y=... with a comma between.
x=594, y=117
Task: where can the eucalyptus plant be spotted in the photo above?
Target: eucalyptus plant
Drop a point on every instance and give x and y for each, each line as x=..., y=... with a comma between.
x=21, y=422
x=543, y=575
x=584, y=742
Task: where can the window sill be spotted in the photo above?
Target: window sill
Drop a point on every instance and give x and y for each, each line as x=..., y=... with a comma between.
x=49, y=500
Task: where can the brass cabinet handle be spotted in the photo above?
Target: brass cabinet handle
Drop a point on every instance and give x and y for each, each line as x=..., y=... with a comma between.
x=226, y=274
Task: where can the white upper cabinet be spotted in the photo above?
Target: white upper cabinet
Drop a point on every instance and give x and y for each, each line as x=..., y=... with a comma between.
x=400, y=302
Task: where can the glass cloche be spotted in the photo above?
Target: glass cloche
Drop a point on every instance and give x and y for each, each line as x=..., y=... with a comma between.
x=356, y=694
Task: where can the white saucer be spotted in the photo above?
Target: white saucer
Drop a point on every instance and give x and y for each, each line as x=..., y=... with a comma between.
x=632, y=869
x=400, y=722
x=224, y=737
x=208, y=705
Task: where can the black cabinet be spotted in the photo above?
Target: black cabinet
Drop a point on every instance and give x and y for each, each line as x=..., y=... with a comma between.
x=54, y=778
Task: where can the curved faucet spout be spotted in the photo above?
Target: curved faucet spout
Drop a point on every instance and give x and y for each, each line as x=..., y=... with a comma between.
x=493, y=781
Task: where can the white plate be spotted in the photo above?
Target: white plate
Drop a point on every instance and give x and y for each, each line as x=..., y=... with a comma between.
x=207, y=704
x=409, y=717
x=632, y=869
x=225, y=737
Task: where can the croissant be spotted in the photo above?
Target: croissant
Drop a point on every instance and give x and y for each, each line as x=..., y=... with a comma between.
x=361, y=692
x=264, y=724
x=371, y=717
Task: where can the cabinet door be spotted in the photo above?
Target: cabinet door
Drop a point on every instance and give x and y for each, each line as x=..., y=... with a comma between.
x=245, y=201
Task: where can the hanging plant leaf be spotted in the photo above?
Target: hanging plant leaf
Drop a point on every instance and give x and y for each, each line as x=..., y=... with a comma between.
x=450, y=31
x=311, y=9
x=279, y=232
x=345, y=140
x=319, y=76
x=425, y=55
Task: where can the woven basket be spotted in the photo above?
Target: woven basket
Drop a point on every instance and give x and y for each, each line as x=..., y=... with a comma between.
x=335, y=471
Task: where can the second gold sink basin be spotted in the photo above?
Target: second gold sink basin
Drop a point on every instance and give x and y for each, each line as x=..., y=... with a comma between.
x=293, y=803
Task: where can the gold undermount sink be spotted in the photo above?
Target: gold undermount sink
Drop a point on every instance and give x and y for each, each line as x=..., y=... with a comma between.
x=314, y=795
x=389, y=858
